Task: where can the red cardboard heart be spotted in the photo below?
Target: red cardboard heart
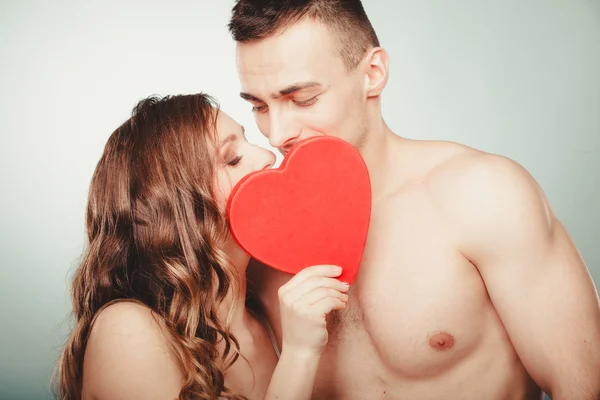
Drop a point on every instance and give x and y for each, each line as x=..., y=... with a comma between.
x=314, y=209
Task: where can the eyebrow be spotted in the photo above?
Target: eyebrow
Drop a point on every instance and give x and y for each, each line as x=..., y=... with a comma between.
x=231, y=137
x=283, y=92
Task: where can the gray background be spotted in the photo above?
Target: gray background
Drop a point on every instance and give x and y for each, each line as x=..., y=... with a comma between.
x=519, y=78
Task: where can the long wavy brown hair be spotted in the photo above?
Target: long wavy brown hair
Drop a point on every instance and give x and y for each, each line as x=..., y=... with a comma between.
x=154, y=236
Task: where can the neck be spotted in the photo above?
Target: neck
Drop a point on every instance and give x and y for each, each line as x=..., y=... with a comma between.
x=378, y=150
x=233, y=308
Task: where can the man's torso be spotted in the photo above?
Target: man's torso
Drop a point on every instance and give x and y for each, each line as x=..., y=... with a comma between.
x=418, y=323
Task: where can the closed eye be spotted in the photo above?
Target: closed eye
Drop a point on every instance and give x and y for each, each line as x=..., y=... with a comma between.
x=235, y=161
x=306, y=103
x=260, y=108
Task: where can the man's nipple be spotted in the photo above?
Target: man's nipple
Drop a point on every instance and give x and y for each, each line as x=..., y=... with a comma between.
x=441, y=341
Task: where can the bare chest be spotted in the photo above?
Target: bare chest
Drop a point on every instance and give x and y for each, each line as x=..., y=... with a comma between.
x=416, y=310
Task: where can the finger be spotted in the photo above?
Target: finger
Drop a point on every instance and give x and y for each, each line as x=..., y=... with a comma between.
x=326, y=305
x=320, y=293
x=296, y=293
x=330, y=271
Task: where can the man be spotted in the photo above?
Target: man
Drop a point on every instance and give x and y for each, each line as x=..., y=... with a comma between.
x=469, y=288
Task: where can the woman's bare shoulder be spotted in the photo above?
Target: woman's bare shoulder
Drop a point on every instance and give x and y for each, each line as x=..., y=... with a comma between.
x=128, y=356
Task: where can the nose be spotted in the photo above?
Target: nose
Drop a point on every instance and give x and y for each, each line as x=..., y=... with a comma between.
x=282, y=135
x=267, y=159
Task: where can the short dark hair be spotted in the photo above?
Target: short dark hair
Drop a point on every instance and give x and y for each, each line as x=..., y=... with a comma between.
x=347, y=19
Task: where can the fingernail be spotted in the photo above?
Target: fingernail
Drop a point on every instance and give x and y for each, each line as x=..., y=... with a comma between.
x=345, y=284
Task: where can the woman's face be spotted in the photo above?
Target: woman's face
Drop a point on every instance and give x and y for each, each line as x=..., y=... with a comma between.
x=237, y=157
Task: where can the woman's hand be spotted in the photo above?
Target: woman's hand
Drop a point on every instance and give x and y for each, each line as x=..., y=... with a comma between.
x=305, y=300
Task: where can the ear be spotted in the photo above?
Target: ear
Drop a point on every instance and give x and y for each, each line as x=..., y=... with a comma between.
x=376, y=68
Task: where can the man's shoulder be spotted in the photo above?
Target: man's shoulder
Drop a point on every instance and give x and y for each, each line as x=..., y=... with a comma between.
x=463, y=169
x=475, y=189
x=434, y=158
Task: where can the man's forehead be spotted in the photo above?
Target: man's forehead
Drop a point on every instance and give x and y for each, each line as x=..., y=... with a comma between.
x=275, y=76
x=302, y=35
x=283, y=59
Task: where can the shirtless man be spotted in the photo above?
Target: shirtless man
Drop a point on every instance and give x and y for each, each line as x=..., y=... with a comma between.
x=469, y=288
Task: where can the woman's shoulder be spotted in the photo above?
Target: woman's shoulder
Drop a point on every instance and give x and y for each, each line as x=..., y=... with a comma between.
x=125, y=317
x=128, y=351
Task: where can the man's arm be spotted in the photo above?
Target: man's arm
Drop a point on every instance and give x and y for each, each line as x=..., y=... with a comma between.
x=534, y=274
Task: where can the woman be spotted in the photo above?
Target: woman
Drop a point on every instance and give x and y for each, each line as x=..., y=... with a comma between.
x=160, y=295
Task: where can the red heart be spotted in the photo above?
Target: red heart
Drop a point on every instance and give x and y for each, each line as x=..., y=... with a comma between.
x=314, y=209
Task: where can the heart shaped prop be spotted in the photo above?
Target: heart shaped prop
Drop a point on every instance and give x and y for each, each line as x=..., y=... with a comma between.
x=314, y=209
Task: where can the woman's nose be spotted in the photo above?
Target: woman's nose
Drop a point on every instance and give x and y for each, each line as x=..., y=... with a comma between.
x=269, y=160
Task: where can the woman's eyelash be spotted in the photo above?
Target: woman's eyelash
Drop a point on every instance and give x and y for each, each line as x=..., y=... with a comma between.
x=234, y=161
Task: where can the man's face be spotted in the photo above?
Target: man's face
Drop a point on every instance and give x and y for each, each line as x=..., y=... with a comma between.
x=299, y=86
